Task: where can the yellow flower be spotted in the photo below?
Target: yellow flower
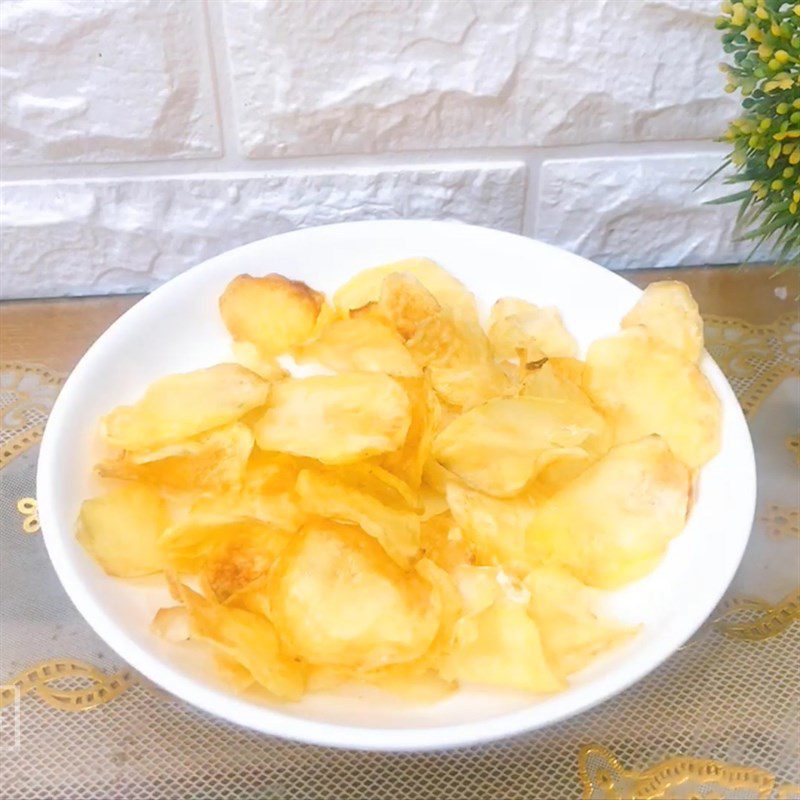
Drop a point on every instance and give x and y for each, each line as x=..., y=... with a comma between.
x=739, y=15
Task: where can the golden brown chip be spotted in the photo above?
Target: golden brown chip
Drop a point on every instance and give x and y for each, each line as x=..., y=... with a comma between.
x=408, y=461
x=669, y=314
x=612, y=524
x=359, y=344
x=352, y=497
x=339, y=600
x=499, y=446
x=336, y=419
x=121, y=530
x=273, y=312
x=500, y=646
x=444, y=543
x=267, y=367
x=179, y=406
x=572, y=634
x=495, y=528
x=449, y=292
x=645, y=387
x=188, y=546
x=247, y=639
x=211, y=461
x=515, y=324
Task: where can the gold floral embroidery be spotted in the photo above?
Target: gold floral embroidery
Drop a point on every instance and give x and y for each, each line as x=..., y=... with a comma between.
x=604, y=778
x=753, y=619
x=793, y=445
x=27, y=393
x=28, y=508
x=782, y=522
x=38, y=679
x=754, y=358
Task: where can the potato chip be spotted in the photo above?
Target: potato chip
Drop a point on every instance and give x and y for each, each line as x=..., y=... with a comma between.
x=121, y=529
x=247, y=639
x=572, y=634
x=242, y=556
x=179, y=406
x=368, y=503
x=546, y=381
x=266, y=493
x=211, y=461
x=171, y=624
x=499, y=446
x=359, y=344
x=444, y=543
x=646, y=387
x=500, y=646
x=642, y=490
x=669, y=314
x=273, y=312
x=470, y=385
x=187, y=546
x=249, y=356
x=336, y=419
x=339, y=600
x=449, y=292
x=408, y=461
x=515, y=324
x=495, y=528
x=407, y=304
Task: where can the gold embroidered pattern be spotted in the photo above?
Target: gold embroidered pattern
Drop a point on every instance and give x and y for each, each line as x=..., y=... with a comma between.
x=753, y=619
x=604, y=777
x=793, y=445
x=754, y=358
x=28, y=508
x=38, y=679
x=27, y=393
x=782, y=522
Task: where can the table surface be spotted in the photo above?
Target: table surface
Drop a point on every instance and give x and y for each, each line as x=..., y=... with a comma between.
x=718, y=719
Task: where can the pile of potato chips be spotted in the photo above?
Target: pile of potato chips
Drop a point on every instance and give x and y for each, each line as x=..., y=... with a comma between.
x=438, y=504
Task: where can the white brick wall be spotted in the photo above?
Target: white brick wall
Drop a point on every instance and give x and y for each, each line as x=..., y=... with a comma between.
x=141, y=136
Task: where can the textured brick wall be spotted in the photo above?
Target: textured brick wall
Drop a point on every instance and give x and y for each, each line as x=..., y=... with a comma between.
x=142, y=136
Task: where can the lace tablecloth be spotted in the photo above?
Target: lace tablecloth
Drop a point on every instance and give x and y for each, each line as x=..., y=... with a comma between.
x=720, y=719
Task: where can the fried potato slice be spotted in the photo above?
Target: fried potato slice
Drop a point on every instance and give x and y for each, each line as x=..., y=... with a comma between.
x=353, y=497
x=273, y=312
x=179, y=406
x=359, y=344
x=339, y=600
x=469, y=385
x=500, y=646
x=241, y=556
x=516, y=324
x=249, y=640
x=408, y=461
x=611, y=525
x=336, y=419
x=444, y=543
x=547, y=381
x=669, y=314
x=266, y=493
x=449, y=292
x=187, y=546
x=645, y=387
x=495, y=528
x=499, y=446
x=121, y=529
x=572, y=634
x=249, y=356
x=211, y=461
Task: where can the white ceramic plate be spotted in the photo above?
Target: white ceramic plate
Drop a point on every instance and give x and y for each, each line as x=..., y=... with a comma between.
x=177, y=328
